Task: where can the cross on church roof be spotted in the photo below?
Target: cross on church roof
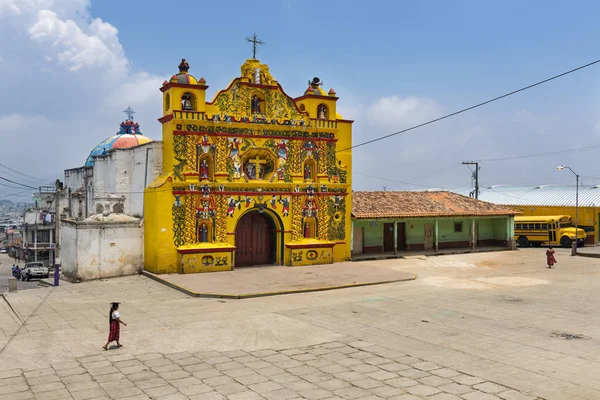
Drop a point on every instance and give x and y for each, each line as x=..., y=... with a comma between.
x=129, y=113
x=254, y=40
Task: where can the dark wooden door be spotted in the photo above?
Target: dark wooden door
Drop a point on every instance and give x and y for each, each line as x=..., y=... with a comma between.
x=388, y=237
x=253, y=240
x=401, y=236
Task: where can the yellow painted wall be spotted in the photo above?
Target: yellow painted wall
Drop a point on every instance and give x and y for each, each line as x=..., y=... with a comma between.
x=180, y=197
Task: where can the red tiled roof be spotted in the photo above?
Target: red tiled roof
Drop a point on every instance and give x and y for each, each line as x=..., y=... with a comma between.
x=421, y=204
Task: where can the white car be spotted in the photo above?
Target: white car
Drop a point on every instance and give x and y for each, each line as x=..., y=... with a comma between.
x=34, y=270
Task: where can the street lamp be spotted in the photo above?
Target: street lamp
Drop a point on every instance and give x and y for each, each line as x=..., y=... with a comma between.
x=574, y=244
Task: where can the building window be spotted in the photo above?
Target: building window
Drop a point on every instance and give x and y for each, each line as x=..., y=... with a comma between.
x=458, y=227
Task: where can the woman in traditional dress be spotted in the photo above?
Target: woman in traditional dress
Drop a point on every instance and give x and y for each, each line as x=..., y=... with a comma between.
x=114, y=319
x=550, y=257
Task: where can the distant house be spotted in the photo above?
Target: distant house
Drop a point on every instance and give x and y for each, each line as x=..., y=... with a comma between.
x=391, y=222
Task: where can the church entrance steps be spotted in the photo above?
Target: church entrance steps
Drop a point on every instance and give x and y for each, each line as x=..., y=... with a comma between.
x=265, y=281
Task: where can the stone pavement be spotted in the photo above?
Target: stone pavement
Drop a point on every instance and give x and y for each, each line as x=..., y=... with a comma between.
x=249, y=282
x=479, y=326
x=343, y=369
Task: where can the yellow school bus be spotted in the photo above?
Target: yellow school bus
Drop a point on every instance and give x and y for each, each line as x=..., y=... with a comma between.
x=547, y=230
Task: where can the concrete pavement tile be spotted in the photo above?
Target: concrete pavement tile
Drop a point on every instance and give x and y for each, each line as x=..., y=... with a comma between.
x=63, y=365
x=149, y=356
x=333, y=384
x=377, y=360
x=230, y=388
x=425, y=366
x=160, y=390
x=263, y=353
x=200, y=366
x=217, y=360
x=151, y=383
x=281, y=394
x=479, y=396
x=166, y=368
x=208, y=396
x=182, y=362
x=367, y=383
x=284, y=378
x=67, y=380
x=207, y=373
x=349, y=362
x=245, y=359
x=394, y=367
x=298, y=385
x=119, y=357
x=19, y=387
x=364, y=368
x=124, y=392
x=444, y=396
x=305, y=357
x=115, y=385
x=413, y=373
x=422, y=390
x=274, y=358
x=71, y=371
x=47, y=387
x=142, y=376
x=133, y=369
x=234, y=353
x=15, y=381
x=381, y=375
x=91, y=358
x=53, y=395
x=178, y=356
x=360, y=355
x=269, y=371
x=489, y=387
x=96, y=364
x=18, y=396
x=218, y=381
x=11, y=373
x=387, y=391
x=189, y=381
x=36, y=373
x=228, y=365
x=74, y=387
x=265, y=387
x=351, y=393
x=195, y=389
x=86, y=394
x=292, y=352
x=127, y=363
x=102, y=371
x=172, y=375
x=156, y=362
x=245, y=396
x=295, y=363
x=350, y=376
x=251, y=379
x=234, y=373
x=514, y=395
x=360, y=344
x=315, y=394
x=334, y=369
x=444, y=372
x=258, y=364
x=401, y=382
x=455, y=388
x=406, y=396
x=467, y=379
x=333, y=356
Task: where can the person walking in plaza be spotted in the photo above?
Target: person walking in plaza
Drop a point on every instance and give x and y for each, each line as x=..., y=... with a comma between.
x=550, y=257
x=114, y=319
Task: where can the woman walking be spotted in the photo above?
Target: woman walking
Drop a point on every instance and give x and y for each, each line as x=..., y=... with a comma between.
x=115, y=322
x=550, y=257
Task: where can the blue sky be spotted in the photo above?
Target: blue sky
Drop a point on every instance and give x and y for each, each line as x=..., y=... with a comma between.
x=392, y=63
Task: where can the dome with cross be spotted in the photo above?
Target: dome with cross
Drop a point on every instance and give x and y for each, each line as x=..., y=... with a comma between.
x=129, y=135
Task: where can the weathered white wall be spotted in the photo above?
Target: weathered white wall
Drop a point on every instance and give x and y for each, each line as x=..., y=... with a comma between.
x=94, y=250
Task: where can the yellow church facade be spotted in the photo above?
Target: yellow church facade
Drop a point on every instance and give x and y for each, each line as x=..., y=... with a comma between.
x=253, y=177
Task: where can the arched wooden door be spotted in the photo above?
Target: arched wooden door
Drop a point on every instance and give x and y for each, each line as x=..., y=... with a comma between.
x=253, y=239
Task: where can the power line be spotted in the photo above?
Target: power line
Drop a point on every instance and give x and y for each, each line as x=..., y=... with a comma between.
x=472, y=107
x=390, y=180
x=541, y=154
x=21, y=173
x=17, y=183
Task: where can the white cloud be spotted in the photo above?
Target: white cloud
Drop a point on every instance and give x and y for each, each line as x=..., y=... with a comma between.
x=57, y=114
x=75, y=48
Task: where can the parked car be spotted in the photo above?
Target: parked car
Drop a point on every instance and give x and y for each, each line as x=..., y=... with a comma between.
x=34, y=270
x=3, y=251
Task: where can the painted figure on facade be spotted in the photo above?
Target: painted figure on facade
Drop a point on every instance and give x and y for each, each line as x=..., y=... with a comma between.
x=282, y=152
x=285, y=206
x=306, y=230
x=234, y=148
x=233, y=203
x=237, y=172
x=255, y=105
x=307, y=172
x=205, y=144
x=204, y=169
x=203, y=233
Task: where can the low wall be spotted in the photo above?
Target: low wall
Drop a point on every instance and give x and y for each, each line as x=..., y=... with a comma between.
x=94, y=250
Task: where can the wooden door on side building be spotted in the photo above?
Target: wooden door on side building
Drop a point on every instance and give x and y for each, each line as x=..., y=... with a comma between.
x=388, y=237
x=428, y=240
x=401, y=236
x=357, y=240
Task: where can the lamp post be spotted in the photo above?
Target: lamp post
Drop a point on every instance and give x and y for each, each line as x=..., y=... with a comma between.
x=574, y=244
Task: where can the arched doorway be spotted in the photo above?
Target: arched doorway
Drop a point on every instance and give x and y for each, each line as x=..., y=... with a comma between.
x=254, y=240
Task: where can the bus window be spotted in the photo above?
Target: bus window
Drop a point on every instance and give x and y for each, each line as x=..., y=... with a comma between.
x=517, y=226
x=538, y=227
x=544, y=226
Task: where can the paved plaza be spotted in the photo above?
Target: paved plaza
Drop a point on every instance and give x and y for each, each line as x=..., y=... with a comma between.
x=477, y=326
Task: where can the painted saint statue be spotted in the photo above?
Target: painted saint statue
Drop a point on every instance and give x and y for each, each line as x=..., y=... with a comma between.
x=307, y=172
x=203, y=233
x=255, y=105
x=204, y=169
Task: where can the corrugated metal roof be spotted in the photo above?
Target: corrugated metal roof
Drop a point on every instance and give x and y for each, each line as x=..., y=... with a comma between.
x=545, y=195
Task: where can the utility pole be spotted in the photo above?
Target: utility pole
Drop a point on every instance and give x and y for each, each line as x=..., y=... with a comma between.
x=35, y=233
x=476, y=164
